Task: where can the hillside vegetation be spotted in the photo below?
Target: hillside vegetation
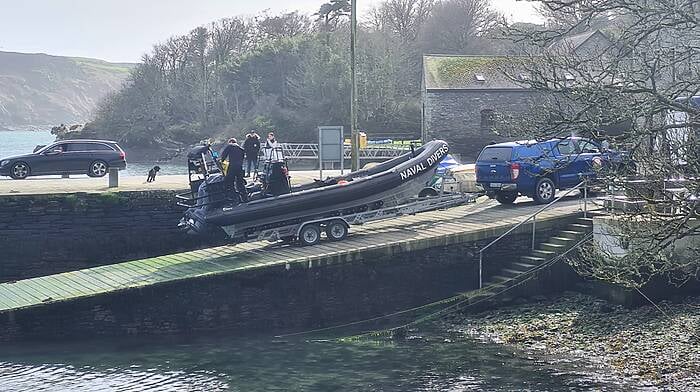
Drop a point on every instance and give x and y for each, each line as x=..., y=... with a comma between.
x=291, y=73
x=38, y=90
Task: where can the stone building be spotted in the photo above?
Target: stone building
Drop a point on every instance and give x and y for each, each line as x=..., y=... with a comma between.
x=463, y=95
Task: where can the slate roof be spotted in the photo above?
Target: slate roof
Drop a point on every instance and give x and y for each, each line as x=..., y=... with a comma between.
x=468, y=72
x=451, y=72
x=574, y=42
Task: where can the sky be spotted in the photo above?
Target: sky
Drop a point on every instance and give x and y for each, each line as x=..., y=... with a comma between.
x=123, y=30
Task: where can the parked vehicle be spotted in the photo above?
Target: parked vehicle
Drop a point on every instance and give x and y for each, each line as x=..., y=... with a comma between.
x=459, y=178
x=91, y=157
x=538, y=169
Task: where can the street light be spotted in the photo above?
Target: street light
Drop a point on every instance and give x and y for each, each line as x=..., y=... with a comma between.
x=354, y=136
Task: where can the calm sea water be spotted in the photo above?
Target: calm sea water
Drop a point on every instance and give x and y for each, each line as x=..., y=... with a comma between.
x=428, y=363
x=23, y=142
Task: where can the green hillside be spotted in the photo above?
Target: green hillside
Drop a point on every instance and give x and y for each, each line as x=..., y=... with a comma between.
x=38, y=90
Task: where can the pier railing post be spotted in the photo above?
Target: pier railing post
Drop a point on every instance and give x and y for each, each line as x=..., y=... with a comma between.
x=534, y=225
x=113, y=177
x=585, y=200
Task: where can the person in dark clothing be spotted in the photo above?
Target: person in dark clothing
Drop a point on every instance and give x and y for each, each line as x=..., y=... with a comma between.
x=234, y=176
x=251, y=146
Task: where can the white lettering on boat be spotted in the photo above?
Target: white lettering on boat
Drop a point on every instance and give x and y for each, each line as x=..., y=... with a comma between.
x=429, y=162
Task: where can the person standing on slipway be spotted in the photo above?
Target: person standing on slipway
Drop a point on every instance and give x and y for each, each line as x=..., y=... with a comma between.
x=234, y=175
x=251, y=146
x=273, y=150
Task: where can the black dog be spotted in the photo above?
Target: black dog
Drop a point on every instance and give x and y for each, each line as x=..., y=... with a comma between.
x=152, y=174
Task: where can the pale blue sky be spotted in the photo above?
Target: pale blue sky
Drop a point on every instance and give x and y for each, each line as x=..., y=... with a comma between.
x=122, y=30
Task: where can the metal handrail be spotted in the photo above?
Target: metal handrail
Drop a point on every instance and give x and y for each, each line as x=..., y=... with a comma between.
x=534, y=220
x=301, y=151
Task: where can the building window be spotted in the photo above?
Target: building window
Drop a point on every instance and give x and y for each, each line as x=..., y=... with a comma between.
x=488, y=120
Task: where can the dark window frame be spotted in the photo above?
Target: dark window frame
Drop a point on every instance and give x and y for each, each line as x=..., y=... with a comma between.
x=583, y=142
x=568, y=142
x=500, y=157
x=488, y=120
x=90, y=147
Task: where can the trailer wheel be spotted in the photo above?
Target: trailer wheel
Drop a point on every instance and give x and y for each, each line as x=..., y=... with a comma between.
x=310, y=235
x=336, y=230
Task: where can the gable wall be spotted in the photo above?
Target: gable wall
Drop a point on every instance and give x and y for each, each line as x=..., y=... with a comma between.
x=455, y=116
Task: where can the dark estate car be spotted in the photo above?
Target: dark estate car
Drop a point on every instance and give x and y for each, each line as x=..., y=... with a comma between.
x=91, y=157
x=538, y=169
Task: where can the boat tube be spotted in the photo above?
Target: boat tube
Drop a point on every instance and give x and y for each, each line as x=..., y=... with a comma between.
x=390, y=183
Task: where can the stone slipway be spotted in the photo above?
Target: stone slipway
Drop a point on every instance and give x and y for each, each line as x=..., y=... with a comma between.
x=466, y=224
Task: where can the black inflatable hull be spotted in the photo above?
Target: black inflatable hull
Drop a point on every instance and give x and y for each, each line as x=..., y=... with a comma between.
x=389, y=183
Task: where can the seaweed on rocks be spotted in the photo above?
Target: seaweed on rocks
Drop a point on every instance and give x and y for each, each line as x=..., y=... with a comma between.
x=641, y=346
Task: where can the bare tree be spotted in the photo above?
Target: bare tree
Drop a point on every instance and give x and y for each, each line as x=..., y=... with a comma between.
x=456, y=25
x=635, y=93
x=572, y=17
x=404, y=18
x=230, y=37
x=282, y=26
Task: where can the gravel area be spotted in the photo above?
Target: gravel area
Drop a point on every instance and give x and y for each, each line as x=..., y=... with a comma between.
x=641, y=347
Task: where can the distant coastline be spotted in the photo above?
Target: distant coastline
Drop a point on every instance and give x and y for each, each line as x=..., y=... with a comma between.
x=25, y=128
x=17, y=142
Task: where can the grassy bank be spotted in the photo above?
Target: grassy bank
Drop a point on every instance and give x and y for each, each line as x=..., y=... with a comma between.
x=642, y=346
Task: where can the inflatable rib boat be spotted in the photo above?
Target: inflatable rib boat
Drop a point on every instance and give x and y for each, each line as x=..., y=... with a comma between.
x=388, y=184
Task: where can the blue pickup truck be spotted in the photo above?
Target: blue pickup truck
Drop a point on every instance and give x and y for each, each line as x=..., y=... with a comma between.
x=538, y=169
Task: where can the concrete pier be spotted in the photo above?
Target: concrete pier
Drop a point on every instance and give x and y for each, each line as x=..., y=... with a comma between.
x=255, y=287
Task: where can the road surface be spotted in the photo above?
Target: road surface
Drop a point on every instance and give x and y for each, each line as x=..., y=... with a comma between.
x=83, y=183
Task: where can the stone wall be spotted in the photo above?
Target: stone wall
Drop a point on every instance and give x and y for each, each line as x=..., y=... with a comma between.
x=275, y=299
x=47, y=234
x=455, y=116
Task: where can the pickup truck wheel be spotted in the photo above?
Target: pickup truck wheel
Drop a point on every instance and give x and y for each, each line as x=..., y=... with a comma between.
x=506, y=197
x=544, y=191
x=427, y=192
x=310, y=235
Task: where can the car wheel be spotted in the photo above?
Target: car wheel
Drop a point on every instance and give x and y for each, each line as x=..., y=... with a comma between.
x=544, y=191
x=506, y=197
x=19, y=171
x=98, y=169
x=310, y=235
x=336, y=230
x=428, y=192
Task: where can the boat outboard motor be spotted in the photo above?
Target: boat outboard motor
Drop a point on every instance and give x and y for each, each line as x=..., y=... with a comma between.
x=212, y=192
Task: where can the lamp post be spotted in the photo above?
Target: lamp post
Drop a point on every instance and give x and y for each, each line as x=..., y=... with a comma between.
x=354, y=136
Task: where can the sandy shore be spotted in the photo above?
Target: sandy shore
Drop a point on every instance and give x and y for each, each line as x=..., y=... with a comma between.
x=644, y=348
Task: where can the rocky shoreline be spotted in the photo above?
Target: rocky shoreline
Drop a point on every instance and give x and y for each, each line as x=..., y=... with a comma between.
x=642, y=348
